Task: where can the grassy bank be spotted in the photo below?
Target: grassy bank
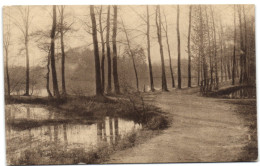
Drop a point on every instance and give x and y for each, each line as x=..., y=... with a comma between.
x=246, y=109
x=89, y=110
x=52, y=153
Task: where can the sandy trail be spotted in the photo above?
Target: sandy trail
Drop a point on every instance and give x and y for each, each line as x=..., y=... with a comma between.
x=202, y=130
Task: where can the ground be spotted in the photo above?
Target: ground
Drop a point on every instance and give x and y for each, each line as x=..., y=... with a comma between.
x=203, y=130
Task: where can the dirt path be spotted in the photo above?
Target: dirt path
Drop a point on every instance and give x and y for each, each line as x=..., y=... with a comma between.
x=203, y=130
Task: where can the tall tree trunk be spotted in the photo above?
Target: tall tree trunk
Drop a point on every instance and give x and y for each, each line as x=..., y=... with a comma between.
x=115, y=73
x=204, y=65
x=132, y=56
x=48, y=76
x=209, y=50
x=149, y=49
x=62, y=53
x=53, y=68
x=179, y=48
x=109, y=87
x=159, y=34
x=7, y=70
x=241, y=79
x=169, y=51
x=189, y=52
x=102, y=52
x=234, y=50
x=27, y=66
x=215, y=49
x=96, y=52
x=245, y=48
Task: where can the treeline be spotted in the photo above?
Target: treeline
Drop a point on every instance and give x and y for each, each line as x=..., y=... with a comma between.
x=216, y=52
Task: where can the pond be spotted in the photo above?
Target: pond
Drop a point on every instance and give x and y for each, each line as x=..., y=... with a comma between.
x=88, y=136
x=243, y=93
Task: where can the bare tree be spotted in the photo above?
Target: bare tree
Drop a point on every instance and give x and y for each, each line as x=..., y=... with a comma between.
x=109, y=87
x=245, y=47
x=215, y=47
x=169, y=51
x=189, y=52
x=234, y=50
x=159, y=35
x=115, y=73
x=53, y=68
x=102, y=50
x=62, y=50
x=132, y=56
x=7, y=43
x=149, y=48
x=96, y=52
x=179, y=47
x=23, y=24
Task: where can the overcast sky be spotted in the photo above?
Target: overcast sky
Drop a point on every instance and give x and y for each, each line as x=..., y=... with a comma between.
x=41, y=17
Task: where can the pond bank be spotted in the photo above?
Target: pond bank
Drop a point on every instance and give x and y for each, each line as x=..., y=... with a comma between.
x=85, y=110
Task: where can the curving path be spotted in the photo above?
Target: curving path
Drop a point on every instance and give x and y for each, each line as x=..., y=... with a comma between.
x=202, y=130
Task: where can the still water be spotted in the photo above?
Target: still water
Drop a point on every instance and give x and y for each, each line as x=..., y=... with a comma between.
x=106, y=130
x=243, y=93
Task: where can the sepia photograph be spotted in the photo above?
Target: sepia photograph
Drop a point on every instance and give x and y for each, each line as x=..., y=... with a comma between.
x=129, y=84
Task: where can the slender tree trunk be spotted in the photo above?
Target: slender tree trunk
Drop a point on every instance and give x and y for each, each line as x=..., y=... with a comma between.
x=62, y=53
x=234, y=50
x=241, y=79
x=103, y=51
x=204, y=65
x=53, y=68
x=109, y=87
x=96, y=52
x=169, y=51
x=48, y=76
x=7, y=70
x=245, y=48
x=215, y=49
x=132, y=56
x=149, y=49
x=179, y=48
x=159, y=34
x=27, y=66
x=189, y=52
x=199, y=70
x=209, y=50
x=115, y=73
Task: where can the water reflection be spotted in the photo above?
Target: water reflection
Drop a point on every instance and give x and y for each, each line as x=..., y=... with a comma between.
x=106, y=130
x=29, y=112
x=244, y=93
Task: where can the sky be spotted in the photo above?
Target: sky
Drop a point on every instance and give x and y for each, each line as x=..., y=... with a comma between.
x=41, y=19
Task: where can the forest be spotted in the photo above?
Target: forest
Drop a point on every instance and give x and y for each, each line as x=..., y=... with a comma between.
x=215, y=51
x=122, y=73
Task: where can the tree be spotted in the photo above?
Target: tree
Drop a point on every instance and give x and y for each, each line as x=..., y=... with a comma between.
x=179, y=48
x=109, y=87
x=234, y=50
x=149, y=48
x=96, y=52
x=53, y=68
x=215, y=48
x=132, y=56
x=43, y=44
x=24, y=27
x=7, y=43
x=102, y=51
x=189, y=52
x=169, y=51
x=115, y=73
x=62, y=51
x=209, y=49
x=159, y=35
